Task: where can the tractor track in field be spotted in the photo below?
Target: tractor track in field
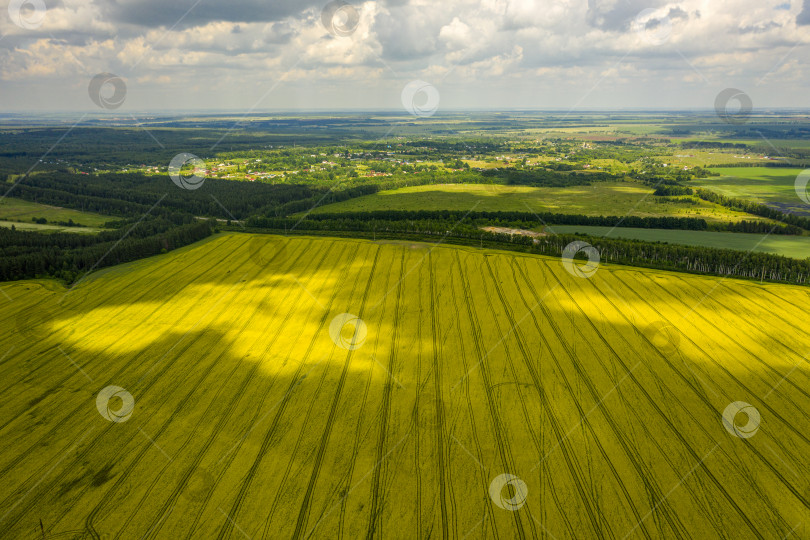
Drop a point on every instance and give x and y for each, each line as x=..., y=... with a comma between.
x=211, y=407
x=514, y=328
x=729, y=459
x=800, y=496
x=125, y=473
x=168, y=504
x=766, y=365
x=466, y=384
x=520, y=340
x=573, y=466
x=753, y=322
x=45, y=359
x=305, y=505
x=619, y=463
x=295, y=451
x=705, y=400
x=504, y=450
x=92, y=444
x=374, y=522
x=91, y=517
x=76, y=373
x=650, y=488
x=344, y=485
x=441, y=453
x=746, y=388
x=350, y=473
x=653, y=403
x=101, y=324
x=233, y=452
x=417, y=422
x=39, y=442
x=281, y=407
x=632, y=456
x=755, y=300
x=81, y=455
x=718, y=485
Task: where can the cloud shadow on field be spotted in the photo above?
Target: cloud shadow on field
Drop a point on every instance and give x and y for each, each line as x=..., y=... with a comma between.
x=211, y=398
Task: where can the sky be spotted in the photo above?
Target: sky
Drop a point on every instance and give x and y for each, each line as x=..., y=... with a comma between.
x=120, y=56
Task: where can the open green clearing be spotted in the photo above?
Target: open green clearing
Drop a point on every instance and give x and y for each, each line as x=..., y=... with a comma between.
x=31, y=226
x=12, y=209
x=599, y=199
x=767, y=185
x=797, y=247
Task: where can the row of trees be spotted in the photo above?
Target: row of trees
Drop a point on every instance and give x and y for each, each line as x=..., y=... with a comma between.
x=522, y=219
x=528, y=220
x=29, y=254
x=753, y=208
x=724, y=262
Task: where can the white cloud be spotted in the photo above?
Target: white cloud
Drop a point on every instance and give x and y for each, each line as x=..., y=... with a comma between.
x=559, y=47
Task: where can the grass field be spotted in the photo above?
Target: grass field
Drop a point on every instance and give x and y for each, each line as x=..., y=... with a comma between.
x=797, y=247
x=29, y=226
x=599, y=199
x=766, y=185
x=12, y=209
x=256, y=412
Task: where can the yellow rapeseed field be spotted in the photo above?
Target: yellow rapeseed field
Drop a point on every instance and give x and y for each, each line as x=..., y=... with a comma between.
x=269, y=387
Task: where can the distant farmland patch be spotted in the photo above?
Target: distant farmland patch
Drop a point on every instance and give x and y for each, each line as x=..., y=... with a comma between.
x=600, y=199
x=774, y=186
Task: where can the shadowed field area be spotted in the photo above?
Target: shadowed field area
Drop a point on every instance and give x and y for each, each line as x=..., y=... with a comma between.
x=327, y=388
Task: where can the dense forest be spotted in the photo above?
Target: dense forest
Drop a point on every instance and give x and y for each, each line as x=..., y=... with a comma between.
x=66, y=256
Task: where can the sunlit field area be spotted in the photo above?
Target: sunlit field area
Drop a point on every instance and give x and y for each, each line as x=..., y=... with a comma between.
x=273, y=387
x=598, y=199
x=768, y=185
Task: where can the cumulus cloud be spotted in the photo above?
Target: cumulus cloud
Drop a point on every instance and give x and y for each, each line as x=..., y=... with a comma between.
x=804, y=16
x=191, y=13
x=500, y=48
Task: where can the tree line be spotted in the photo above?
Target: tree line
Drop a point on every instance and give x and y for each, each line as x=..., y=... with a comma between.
x=753, y=208
x=67, y=256
x=522, y=219
x=693, y=259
